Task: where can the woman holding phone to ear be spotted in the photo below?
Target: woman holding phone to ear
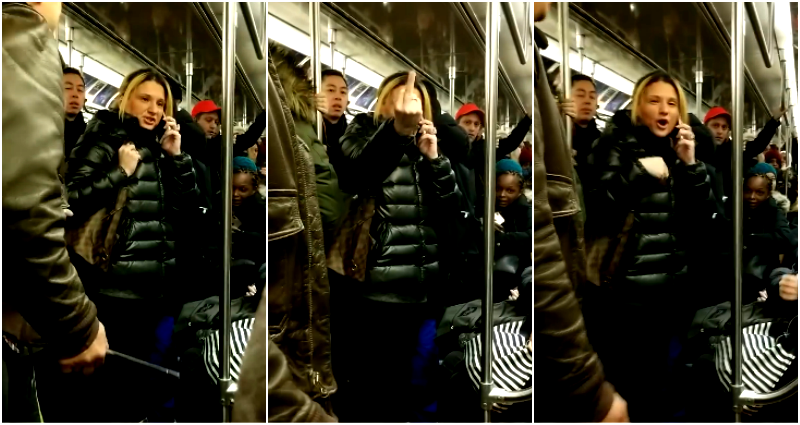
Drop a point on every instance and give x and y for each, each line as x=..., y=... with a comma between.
x=392, y=155
x=644, y=165
x=135, y=146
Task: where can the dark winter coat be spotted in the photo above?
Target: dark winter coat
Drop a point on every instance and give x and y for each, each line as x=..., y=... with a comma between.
x=73, y=130
x=669, y=218
x=724, y=153
x=161, y=189
x=412, y=195
x=248, y=243
x=476, y=159
x=517, y=235
x=300, y=101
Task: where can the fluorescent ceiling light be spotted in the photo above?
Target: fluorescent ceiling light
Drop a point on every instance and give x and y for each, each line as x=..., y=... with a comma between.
x=299, y=41
x=92, y=67
x=601, y=73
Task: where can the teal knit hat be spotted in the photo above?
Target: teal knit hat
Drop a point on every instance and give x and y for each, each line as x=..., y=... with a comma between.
x=506, y=165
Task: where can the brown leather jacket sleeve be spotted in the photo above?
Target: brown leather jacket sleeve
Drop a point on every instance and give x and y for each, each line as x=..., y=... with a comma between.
x=568, y=371
x=39, y=282
x=286, y=402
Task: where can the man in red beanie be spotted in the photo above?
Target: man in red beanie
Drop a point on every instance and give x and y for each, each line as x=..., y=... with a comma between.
x=471, y=118
x=207, y=115
x=718, y=121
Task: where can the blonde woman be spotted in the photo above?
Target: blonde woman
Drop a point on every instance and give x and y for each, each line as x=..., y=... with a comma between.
x=135, y=145
x=392, y=155
x=644, y=166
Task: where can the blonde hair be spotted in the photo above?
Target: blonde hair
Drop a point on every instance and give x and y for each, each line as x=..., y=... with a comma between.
x=646, y=81
x=134, y=80
x=385, y=94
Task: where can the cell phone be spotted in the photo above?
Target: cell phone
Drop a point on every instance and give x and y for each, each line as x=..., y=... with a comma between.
x=160, y=129
x=674, y=134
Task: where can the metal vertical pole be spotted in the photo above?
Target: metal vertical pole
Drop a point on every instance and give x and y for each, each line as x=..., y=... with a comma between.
x=492, y=59
x=579, y=39
x=698, y=73
x=451, y=73
x=189, y=60
x=83, y=57
x=566, y=75
x=316, y=69
x=69, y=33
x=244, y=111
x=332, y=44
x=737, y=76
x=782, y=59
x=228, y=81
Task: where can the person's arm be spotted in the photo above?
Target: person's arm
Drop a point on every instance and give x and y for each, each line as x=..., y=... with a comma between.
x=286, y=402
x=443, y=180
x=93, y=175
x=250, y=137
x=40, y=282
x=182, y=192
x=757, y=146
x=510, y=143
x=453, y=139
x=370, y=153
x=570, y=368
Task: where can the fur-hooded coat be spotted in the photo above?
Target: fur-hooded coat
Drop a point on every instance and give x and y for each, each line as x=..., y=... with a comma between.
x=300, y=100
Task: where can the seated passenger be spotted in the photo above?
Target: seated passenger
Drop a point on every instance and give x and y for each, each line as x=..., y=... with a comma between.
x=394, y=155
x=766, y=232
x=513, y=234
x=249, y=211
x=471, y=119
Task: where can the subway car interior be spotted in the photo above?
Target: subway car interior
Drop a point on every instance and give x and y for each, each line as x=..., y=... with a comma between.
x=692, y=318
x=178, y=329
x=467, y=59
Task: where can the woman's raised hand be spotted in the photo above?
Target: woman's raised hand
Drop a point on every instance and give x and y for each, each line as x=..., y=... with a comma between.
x=171, y=140
x=407, y=108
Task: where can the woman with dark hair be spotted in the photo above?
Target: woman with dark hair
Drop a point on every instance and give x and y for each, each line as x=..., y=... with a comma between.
x=646, y=175
x=392, y=155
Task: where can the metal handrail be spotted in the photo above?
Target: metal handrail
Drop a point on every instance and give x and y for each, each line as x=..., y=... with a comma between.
x=566, y=70
x=511, y=397
x=250, y=22
x=470, y=20
x=737, y=88
x=754, y=399
x=759, y=33
x=215, y=29
x=520, y=42
x=491, y=65
x=228, y=85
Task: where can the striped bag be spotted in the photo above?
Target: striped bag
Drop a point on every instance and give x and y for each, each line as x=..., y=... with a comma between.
x=512, y=360
x=764, y=361
x=240, y=334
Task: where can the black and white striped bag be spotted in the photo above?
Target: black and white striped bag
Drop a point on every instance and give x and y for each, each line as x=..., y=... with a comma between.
x=764, y=361
x=512, y=361
x=240, y=334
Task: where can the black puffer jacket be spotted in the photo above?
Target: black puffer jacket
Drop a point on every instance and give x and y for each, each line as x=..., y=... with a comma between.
x=669, y=218
x=412, y=195
x=161, y=188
